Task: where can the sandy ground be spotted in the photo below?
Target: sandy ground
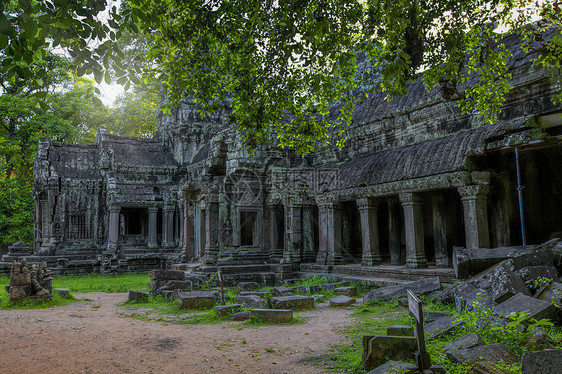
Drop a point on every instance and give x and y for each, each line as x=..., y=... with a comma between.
x=95, y=337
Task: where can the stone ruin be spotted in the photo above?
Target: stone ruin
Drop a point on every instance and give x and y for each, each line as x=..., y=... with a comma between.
x=28, y=283
x=416, y=178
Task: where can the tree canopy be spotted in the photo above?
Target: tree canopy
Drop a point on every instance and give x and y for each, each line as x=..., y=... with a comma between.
x=282, y=64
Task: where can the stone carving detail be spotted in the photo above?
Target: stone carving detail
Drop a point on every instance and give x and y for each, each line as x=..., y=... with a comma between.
x=26, y=283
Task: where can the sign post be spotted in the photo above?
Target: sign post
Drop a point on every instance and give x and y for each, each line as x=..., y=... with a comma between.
x=422, y=356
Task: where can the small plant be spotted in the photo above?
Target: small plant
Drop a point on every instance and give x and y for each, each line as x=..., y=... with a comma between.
x=539, y=283
x=244, y=341
x=269, y=350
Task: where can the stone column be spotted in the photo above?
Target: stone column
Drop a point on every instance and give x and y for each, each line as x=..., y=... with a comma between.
x=211, y=232
x=308, y=234
x=152, y=230
x=439, y=210
x=368, y=213
x=167, y=226
x=330, y=235
x=45, y=223
x=291, y=253
x=113, y=234
x=475, y=208
x=413, y=224
x=394, y=232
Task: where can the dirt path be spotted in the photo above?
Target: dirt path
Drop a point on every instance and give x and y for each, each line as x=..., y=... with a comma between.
x=94, y=337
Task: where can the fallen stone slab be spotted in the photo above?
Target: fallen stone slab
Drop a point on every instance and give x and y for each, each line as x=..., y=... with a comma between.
x=500, y=282
x=393, y=367
x=420, y=287
x=316, y=297
x=247, y=286
x=440, y=326
x=553, y=294
x=538, y=309
x=530, y=274
x=291, y=302
x=548, y=361
x=250, y=301
x=489, y=353
x=225, y=310
x=255, y=293
x=433, y=315
x=377, y=349
x=273, y=315
x=240, y=316
x=539, y=340
x=172, y=285
x=400, y=330
x=196, y=299
x=346, y=291
x=64, y=292
x=467, y=262
x=133, y=295
x=281, y=291
x=333, y=286
x=467, y=341
x=167, y=274
x=342, y=301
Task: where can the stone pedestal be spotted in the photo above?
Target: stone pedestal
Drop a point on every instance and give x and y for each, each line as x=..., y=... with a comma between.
x=368, y=212
x=413, y=222
x=475, y=208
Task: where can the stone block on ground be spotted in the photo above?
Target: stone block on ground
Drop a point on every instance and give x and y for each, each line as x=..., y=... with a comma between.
x=247, y=286
x=196, y=299
x=489, y=353
x=137, y=295
x=172, y=285
x=440, y=326
x=378, y=349
x=346, y=291
x=316, y=297
x=393, y=367
x=400, y=330
x=281, y=291
x=19, y=292
x=538, y=340
x=225, y=310
x=255, y=293
x=273, y=315
x=538, y=309
x=553, y=294
x=250, y=301
x=548, y=361
x=469, y=340
x=167, y=274
x=342, y=301
x=500, y=282
x=468, y=262
x=291, y=302
x=240, y=316
x=420, y=287
x=64, y=292
x=434, y=315
x=530, y=274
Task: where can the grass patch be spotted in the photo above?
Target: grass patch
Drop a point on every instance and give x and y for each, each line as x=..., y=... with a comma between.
x=56, y=300
x=372, y=319
x=103, y=283
x=310, y=281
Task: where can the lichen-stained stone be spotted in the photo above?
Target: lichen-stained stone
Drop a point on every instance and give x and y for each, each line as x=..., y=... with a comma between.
x=469, y=340
x=347, y=291
x=419, y=287
x=291, y=302
x=537, y=309
x=400, y=330
x=548, y=361
x=225, y=310
x=250, y=301
x=378, y=349
x=489, y=353
x=196, y=299
x=273, y=315
x=342, y=301
x=137, y=295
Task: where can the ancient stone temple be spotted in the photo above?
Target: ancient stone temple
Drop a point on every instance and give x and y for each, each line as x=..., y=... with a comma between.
x=416, y=178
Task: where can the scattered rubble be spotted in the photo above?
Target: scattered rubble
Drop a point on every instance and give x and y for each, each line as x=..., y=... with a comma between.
x=28, y=283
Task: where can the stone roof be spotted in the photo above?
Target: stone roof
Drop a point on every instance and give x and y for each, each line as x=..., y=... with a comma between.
x=433, y=157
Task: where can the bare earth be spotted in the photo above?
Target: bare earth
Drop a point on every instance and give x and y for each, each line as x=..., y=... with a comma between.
x=94, y=337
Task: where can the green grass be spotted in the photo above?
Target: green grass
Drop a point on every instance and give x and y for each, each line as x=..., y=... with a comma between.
x=310, y=281
x=103, y=283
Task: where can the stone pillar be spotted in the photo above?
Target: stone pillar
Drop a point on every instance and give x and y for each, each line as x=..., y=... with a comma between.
x=113, y=234
x=475, y=208
x=188, y=232
x=413, y=224
x=368, y=212
x=292, y=250
x=168, y=226
x=152, y=229
x=211, y=232
x=439, y=210
x=394, y=232
x=308, y=253
x=45, y=223
x=330, y=242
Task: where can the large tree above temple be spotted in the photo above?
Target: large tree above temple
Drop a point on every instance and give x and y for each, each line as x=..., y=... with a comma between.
x=281, y=64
